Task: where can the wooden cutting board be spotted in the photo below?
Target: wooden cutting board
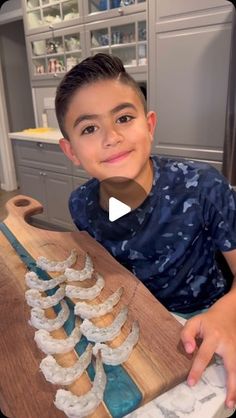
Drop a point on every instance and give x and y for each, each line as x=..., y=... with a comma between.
x=157, y=363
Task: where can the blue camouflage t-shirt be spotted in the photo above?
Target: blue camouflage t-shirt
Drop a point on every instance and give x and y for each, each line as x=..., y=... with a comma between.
x=169, y=242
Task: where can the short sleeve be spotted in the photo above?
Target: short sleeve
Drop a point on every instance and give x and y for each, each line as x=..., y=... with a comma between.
x=218, y=203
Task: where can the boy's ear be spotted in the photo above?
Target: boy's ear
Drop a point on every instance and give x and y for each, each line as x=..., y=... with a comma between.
x=66, y=147
x=151, y=121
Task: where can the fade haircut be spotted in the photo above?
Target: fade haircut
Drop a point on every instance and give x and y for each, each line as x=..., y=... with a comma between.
x=92, y=69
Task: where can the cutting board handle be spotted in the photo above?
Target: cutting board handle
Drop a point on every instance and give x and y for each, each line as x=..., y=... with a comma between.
x=23, y=206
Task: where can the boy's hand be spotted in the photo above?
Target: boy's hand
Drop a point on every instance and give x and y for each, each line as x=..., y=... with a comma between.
x=217, y=329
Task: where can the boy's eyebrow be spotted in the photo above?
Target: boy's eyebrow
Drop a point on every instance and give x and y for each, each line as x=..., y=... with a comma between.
x=83, y=117
x=116, y=109
x=123, y=106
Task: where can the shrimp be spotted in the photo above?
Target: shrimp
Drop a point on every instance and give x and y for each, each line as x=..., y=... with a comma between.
x=34, y=298
x=115, y=356
x=59, y=375
x=86, y=293
x=50, y=265
x=34, y=282
x=50, y=345
x=81, y=406
x=73, y=275
x=97, y=334
x=85, y=310
x=39, y=320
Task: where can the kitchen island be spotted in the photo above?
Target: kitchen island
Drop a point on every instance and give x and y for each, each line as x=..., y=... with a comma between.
x=46, y=174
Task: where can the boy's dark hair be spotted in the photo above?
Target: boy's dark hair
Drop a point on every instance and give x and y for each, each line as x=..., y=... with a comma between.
x=91, y=69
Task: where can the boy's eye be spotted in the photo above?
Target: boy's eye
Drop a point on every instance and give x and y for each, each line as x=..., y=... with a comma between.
x=89, y=130
x=125, y=118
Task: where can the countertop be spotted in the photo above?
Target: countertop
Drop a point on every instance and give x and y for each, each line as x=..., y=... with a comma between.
x=205, y=399
x=50, y=136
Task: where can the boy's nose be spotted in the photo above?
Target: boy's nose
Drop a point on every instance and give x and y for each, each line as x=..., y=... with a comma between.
x=111, y=136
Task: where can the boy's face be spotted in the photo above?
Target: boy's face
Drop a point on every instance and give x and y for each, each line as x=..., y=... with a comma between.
x=110, y=135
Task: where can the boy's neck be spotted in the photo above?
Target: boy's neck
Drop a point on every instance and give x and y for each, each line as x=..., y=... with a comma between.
x=131, y=192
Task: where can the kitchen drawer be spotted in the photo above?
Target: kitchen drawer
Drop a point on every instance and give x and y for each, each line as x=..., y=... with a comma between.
x=40, y=155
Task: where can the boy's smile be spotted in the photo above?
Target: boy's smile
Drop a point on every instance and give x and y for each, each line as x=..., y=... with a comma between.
x=117, y=157
x=109, y=133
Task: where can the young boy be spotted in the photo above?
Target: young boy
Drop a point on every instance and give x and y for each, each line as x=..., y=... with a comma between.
x=187, y=213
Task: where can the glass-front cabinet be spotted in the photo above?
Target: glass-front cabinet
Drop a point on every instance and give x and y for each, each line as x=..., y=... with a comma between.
x=102, y=9
x=63, y=32
x=43, y=15
x=122, y=37
x=54, y=53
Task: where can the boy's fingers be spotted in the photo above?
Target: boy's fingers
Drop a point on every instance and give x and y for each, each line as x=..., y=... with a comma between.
x=230, y=366
x=231, y=390
x=201, y=361
x=189, y=333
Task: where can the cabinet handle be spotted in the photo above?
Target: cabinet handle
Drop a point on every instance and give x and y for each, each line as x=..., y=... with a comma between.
x=39, y=144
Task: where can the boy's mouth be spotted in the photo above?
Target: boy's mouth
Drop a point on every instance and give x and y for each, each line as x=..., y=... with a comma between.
x=117, y=157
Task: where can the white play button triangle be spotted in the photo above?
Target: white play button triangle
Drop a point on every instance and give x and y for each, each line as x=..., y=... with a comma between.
x=117, y=209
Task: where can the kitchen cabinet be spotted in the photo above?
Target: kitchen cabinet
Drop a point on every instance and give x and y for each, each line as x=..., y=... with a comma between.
x=189, y=46
x=61, y=33
x=123, y=37
x=46, y=15
x=97, y=10
x=45, y=174
x=58, y=188
x=31, y=184
x=77, y=171
x=53, y=53
x=52, y=190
